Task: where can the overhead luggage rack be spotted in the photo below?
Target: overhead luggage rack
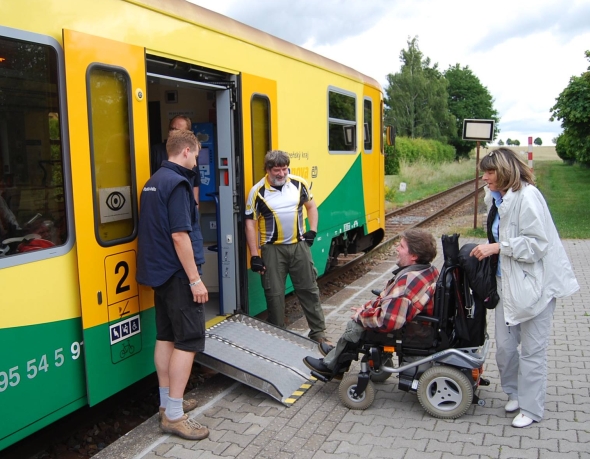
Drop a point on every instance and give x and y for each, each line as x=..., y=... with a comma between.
x=260, y=355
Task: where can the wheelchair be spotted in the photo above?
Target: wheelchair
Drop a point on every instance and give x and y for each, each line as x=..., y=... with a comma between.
x=440, y=357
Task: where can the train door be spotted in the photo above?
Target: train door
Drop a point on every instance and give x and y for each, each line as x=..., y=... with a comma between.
x=372, y=160
x=107, y=111
x=175, y=89
x=259, y=115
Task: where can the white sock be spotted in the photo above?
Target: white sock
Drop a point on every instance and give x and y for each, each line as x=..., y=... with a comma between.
x=174, y=409
x=164, y=393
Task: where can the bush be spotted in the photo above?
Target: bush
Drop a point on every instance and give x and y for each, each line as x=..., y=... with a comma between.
x=412, y=150
x=390, y=193
x=392, y=166
x=428, y=151
x=564, y=149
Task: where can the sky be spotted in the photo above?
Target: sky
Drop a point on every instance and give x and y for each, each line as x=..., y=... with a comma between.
x=523, y=51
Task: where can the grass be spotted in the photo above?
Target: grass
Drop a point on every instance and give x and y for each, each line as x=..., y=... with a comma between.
x=423, y=179
x=567, y=191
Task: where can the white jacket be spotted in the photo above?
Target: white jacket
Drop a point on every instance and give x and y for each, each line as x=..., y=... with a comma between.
x=534, y=265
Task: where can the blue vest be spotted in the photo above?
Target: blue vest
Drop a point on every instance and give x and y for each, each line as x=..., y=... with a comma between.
x=156, y=257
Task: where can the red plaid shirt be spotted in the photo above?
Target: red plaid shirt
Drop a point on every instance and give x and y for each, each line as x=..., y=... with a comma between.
x=400, y=302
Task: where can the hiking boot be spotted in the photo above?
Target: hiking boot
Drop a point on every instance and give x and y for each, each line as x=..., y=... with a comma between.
x=184, y=427
x=325, y=348
x=187, y=405
x=324, y=340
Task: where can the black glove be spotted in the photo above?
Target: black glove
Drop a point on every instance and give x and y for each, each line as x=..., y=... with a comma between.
x=309, y=237
x=257, y=264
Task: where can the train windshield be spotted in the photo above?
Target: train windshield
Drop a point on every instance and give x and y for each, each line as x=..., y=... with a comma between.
x=32, y=197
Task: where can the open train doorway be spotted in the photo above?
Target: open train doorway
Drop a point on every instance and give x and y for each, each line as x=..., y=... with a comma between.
x=205, y=97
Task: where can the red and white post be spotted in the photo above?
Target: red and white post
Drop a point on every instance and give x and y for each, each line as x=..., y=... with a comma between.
x=531, y=153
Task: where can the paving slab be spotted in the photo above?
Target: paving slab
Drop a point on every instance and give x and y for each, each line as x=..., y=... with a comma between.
x=246, y=423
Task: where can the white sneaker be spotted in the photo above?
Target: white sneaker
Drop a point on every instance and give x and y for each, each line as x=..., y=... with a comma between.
x=511, y=406
x=521, y=421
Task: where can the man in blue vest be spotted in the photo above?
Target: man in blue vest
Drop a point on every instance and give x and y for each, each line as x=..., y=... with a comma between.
x=169, y=255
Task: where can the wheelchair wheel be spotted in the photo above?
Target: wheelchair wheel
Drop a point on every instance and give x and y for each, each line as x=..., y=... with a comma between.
x=444, y=392
x=379, y=376
x=346, y=393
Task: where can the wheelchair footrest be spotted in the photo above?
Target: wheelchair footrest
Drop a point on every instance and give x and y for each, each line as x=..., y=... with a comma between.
x=320, y=377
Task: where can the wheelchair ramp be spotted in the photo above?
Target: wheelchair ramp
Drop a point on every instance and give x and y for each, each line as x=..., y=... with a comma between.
x=260, y=355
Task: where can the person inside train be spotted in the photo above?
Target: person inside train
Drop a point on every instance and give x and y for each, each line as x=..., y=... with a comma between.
x=408, y=293
x=158, y=151
x=8, y=223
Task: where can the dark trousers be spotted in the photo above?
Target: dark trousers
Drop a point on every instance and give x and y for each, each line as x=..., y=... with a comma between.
x=295, y=260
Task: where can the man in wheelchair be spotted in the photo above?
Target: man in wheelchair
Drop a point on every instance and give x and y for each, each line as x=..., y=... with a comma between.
x=408, y=293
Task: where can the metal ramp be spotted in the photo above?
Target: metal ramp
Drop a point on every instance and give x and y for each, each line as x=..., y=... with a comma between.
x=260, y=355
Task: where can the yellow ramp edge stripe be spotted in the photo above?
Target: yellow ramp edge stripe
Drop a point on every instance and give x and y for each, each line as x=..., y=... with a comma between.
x=216, y=320
x=299, y=393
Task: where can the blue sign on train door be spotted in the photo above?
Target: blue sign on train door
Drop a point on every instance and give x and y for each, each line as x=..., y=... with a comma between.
x=206, y=161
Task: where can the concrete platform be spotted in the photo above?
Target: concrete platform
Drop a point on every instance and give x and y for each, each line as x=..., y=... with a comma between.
x=246, y=423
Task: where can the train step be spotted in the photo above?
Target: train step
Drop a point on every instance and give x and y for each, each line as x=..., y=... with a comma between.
x=260, y=355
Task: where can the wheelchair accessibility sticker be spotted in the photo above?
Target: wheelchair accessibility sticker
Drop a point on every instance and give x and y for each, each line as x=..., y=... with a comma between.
x=125, y=329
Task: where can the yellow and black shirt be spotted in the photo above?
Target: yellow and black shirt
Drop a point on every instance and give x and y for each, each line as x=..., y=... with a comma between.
x=279, y=211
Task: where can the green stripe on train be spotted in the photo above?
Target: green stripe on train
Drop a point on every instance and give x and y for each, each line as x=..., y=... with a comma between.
x=114, y=367
x=41, y=376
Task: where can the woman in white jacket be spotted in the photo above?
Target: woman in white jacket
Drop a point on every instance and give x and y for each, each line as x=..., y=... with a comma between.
x=533, y=270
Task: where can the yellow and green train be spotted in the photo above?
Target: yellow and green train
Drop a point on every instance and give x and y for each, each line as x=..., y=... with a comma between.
x=85, y=88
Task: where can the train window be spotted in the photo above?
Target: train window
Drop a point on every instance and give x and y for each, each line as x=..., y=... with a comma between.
x=368, y=123
x=32, y=195
x=341, y=121
x=381, y=146
x=111, y=140
x=261, y=144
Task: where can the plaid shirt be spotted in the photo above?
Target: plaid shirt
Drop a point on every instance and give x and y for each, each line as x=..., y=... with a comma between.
x=400, y=302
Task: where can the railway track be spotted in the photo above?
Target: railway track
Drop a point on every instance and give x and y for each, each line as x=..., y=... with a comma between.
x=413, y=215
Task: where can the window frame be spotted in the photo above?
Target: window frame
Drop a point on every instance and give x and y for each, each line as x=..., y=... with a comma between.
x=266, y=98
x=133, y=185
x=370, y=126
x=342, y=122
x=66, y=247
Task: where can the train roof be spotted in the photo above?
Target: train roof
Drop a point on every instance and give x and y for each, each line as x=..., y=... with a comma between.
x=208, y=19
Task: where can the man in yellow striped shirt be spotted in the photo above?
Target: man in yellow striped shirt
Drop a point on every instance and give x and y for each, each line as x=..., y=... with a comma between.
x=276, y=204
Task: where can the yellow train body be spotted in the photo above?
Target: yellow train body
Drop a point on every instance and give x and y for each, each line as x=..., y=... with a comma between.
x=75, y=327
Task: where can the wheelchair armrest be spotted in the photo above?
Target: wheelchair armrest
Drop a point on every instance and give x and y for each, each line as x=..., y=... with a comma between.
x=425, y=318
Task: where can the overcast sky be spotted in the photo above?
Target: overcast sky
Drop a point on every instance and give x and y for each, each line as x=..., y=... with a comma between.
x=523, y=51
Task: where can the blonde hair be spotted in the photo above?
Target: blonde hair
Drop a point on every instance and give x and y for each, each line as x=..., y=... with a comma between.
x=179, y=140
x=511, y=170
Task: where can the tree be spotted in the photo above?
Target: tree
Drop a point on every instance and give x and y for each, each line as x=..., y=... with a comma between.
x=468, y=99
x=564, y=149
x=500, y=142
x=516, y=142
x=538, y=141
x=508, y=141
x=417, y=98
x=573, y=109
